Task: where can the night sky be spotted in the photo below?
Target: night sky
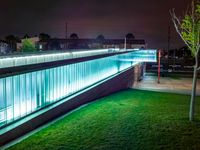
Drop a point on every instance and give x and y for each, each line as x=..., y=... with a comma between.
x=146, y=19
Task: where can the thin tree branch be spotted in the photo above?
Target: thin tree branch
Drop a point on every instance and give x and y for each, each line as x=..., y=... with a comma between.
x=176, y=22
x=198, y=39
x=193, y=28
x=175, y=17
x=198, y=34
x=199, y=48
x=197, y=55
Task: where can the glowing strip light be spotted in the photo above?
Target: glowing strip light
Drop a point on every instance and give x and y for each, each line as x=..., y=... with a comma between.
x=42, y=58
x=35, y=59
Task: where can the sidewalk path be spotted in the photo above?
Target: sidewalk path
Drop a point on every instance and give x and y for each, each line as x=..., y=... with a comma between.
x=167, y=84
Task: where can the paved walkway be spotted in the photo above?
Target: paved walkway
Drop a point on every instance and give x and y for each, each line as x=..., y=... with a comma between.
x=167, y=84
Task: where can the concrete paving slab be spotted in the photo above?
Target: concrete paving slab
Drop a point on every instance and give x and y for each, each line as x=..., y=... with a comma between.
x=167, y=84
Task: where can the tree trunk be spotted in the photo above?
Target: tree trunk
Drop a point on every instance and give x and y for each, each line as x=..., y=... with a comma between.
x=193, y=95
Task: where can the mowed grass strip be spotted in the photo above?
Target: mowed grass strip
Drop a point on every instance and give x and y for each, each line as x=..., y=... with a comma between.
x=130, y=119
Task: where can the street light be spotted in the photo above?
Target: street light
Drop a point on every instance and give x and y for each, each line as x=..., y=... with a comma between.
x=159, y=56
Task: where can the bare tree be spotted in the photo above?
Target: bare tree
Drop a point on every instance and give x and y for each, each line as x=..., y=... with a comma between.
x=188, y=27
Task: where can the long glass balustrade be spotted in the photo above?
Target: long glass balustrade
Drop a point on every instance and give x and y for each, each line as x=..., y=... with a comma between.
x=44, y=57
x=24, y=94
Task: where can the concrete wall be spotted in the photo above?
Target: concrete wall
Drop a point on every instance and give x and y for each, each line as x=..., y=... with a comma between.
x=120, y=82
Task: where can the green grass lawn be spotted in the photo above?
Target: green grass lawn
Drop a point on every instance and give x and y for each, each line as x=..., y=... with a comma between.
x=131, y=119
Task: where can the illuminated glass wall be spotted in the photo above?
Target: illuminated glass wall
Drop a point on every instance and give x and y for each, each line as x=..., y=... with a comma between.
x=141, y=56
x=26, y=93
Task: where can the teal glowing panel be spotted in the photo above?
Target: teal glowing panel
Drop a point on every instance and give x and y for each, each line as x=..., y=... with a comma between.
x=24, y=94
x=141, y=56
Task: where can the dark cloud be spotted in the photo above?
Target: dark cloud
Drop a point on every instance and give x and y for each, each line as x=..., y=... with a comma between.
x=113, y=18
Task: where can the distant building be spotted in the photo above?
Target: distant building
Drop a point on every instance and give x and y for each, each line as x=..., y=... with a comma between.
x=61, y=44
x=120, y=43
x=182, y=52
x=4, y=47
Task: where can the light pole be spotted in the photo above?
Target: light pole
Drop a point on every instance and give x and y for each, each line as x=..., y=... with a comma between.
x=159, y=55
x=125, y=43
